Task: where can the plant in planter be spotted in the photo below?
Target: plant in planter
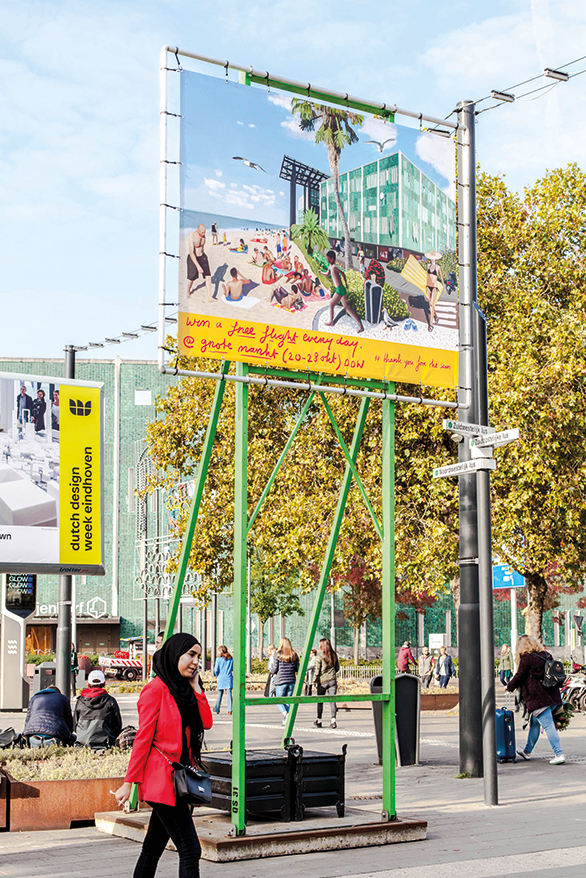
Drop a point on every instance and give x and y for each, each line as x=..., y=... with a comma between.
x=392, y=301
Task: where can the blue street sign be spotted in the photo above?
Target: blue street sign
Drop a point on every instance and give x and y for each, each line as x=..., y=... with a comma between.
x=504, y=576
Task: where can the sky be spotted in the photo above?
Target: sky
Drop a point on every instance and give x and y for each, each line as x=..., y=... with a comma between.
x=79, y=137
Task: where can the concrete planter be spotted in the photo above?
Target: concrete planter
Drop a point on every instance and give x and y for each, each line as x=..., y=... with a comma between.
x=55, y=804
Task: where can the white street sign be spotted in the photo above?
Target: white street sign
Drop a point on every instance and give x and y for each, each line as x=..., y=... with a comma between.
x=496, y=439
x=467, y=429
x=468, y=466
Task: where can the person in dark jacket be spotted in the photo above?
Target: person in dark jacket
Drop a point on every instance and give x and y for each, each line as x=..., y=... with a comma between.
x=49, y=716
x=539, y=699
x=285, y=667
x=444, y=668
x=24, y=403
x=97, y=715
x=39, y=409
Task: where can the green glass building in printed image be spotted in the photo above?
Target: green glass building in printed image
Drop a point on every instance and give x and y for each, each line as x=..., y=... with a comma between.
x=390, y=204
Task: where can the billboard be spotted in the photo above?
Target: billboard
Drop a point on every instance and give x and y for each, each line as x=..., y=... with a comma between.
x=270, y=184
x=50, y=475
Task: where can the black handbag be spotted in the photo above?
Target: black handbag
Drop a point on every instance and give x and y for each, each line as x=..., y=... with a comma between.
x=192, y=783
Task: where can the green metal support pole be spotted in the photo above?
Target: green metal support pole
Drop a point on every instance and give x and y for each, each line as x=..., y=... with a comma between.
x=240, y=597
x=327, y=566
x=202, y=472
x=279, y=463
x=190, y=529
x=388, y=609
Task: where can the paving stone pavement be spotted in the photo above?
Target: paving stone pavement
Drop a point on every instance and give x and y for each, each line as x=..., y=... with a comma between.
x=538, y=830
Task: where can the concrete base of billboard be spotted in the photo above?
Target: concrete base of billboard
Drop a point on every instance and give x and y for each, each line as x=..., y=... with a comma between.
x=320, y=831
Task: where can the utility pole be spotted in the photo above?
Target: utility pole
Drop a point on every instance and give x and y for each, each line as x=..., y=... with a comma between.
x=63, y=650
x=469, y=610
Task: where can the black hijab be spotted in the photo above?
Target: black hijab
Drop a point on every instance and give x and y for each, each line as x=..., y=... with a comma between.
x=165, y=665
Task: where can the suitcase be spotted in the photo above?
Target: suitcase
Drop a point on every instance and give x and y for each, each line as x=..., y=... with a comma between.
x=373, y=302
x=505, y=735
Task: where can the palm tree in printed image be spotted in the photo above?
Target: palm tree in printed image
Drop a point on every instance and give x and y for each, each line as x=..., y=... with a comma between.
x=310, y=233
x=335, y=131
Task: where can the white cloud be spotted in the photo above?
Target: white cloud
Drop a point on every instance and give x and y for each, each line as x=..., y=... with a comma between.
x=251, y=125
x=292, y=126
x=214, y=185
x=440, y=153
x=218, y=173
x=239, y=123
x=280, y=101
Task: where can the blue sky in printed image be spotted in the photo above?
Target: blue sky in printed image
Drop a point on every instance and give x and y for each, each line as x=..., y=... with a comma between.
x=222, y=120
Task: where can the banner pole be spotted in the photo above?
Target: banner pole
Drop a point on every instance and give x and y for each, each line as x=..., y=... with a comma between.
x=63, y=645
x=388, y=610
x=240, y=596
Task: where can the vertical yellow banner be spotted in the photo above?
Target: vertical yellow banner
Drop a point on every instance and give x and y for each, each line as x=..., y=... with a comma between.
x=80, y=538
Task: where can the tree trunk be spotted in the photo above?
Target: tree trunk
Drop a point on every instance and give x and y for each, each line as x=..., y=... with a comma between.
x=536, y=593
x=334, y=158
x=356, y=645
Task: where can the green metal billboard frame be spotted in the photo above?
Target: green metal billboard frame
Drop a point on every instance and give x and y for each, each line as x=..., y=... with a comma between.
x=242, y=527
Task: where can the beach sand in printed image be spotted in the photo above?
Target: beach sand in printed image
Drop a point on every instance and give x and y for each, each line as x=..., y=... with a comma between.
x=256, y=305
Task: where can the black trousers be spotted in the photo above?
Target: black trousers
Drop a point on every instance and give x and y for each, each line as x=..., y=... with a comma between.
x=175, y=822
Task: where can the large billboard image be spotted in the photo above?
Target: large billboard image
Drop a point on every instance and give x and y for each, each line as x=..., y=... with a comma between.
x=314, y=237
x=50, y=475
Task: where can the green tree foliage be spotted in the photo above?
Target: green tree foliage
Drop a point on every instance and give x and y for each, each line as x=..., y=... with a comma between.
x=334, y=129
x=310, y=233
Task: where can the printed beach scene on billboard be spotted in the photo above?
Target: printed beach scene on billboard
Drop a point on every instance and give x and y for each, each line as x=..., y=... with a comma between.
x=50, y=475
x=314, y=237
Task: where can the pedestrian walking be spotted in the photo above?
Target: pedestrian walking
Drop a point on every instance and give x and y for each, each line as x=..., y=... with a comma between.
x=325, y=678
x=310, y=672
x=540, y=700
x=506, y=664
x=405, y=658
x=426, y=667
x=224, y=671
x=96, y=716
x=173, y=712
x=285, y=667
x=444, y=668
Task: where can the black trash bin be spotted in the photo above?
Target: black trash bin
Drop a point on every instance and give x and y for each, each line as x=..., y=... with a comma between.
x=44, y=676
x=268, y=781
x=318, y=780
x=407, y=716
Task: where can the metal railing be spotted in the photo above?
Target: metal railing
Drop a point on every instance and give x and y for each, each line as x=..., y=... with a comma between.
x=359, y=672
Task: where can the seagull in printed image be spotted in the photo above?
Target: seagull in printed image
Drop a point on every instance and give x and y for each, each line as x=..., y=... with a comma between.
x=249, y=164
x=380, y=146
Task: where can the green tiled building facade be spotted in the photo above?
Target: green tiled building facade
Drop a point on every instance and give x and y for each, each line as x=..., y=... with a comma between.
x=390, y=203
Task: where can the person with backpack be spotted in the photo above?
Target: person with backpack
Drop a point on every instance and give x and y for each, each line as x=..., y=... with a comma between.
x=539, y=677
x=506, y=664
x=285, y=667
x=444, y=668
x=96, y=715
x=223, y=670
x=325, y=677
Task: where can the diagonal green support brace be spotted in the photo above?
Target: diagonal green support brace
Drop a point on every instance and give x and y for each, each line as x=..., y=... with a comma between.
x=327, y=566
x=202, y=472
x=279, y=463
x=352, y=466
x=388, y=609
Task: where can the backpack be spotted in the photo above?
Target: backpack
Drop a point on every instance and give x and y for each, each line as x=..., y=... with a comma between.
x=553, y=673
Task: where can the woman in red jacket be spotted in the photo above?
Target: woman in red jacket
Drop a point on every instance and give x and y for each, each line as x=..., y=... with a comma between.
x=173, y=712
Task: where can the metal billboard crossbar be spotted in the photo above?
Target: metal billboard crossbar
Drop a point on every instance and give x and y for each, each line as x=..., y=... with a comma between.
x=313, y=386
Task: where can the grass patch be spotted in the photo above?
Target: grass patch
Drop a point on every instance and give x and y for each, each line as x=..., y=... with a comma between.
x=464, y=775
x=64, y=763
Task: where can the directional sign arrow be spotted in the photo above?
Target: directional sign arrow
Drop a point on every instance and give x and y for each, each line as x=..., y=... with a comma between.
x=467, y=429
x=468, y=466
x=495, y=440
